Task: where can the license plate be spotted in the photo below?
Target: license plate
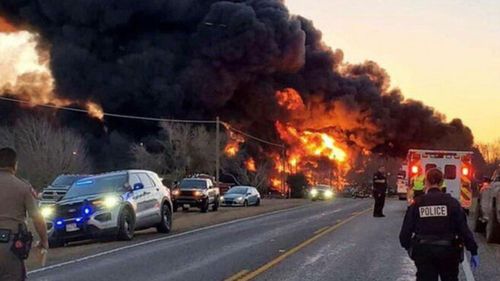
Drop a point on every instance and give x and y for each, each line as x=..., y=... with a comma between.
x=70, y=227
x=186, y=206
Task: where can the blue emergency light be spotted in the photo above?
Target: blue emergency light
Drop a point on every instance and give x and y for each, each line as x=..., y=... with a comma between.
x=84, y=182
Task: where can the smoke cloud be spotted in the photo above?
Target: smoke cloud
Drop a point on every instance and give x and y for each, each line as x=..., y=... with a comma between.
x=201, y=59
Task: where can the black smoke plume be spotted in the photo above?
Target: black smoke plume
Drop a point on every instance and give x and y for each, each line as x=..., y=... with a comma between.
x=201, y=59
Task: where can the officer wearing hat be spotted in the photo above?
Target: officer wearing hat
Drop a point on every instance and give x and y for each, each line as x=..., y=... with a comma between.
x=16, y=200
x=435, y=231
x=379, y=190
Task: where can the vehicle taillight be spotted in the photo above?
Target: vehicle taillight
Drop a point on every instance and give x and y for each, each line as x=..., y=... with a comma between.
x=414, y=169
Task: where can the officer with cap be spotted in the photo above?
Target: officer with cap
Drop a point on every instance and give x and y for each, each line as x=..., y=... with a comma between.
x=435, y=231
x=379, y=190
x=16, y=200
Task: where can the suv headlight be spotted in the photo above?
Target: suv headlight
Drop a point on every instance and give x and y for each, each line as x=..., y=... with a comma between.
x=329, y=194
x=47, y=211
x=108, y=202
x=314, y=192
x=238, y=199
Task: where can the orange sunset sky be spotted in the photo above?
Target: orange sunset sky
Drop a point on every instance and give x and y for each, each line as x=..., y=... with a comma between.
x=445, y=53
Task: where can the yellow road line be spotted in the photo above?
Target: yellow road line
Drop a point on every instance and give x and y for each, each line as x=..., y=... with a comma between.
x=297, y=248
x=321, y=229
x=238, y=275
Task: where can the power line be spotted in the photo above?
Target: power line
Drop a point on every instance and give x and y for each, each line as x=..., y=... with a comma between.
x=231, y=128
x=135, y=117
x=143, y=118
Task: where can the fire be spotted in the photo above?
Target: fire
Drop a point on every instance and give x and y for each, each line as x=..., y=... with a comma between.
x=290, y=99
x=276, y=183
x=5, y=26
x=233, y=144
x=250, y=165
x=310, y=143
x=24, y=73
x=95, y=110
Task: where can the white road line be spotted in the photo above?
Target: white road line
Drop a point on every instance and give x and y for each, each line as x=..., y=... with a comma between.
x=160, y=239
x=467, y=270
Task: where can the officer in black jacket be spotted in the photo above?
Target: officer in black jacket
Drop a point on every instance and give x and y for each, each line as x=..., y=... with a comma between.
x=434, y=232
x=379, y=190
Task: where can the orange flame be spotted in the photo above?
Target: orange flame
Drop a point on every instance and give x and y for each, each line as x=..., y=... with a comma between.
x=310, y=143
x=233, y=144
x=250, y=165
x=290, y=99
x=5, y=26
x=276, y=183
x=24, y=73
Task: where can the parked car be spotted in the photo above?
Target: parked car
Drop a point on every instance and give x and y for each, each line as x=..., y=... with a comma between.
x=487, y=209
x=241, y=196
x=321, y=192
x=58, y=188
x=115, y=203
x=197, y=192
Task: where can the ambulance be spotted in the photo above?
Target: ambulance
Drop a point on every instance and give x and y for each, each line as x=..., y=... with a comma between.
x=455, y=165
x=402, y=182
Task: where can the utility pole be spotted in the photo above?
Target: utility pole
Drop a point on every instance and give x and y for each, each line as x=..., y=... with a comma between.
x=283, y=167
x=217, y=149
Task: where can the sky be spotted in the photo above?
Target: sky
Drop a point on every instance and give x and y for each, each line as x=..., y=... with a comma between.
x=445, y=53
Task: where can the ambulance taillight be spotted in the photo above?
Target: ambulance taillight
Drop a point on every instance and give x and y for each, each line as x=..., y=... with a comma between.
x=465, y=171
x=414, y=169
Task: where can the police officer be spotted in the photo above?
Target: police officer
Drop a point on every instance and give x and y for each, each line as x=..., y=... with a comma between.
x=16, y=200
x=433, y=231
x=419, y=186
x=379, y=190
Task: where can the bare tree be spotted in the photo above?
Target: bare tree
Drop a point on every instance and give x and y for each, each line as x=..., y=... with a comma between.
x=236, y=168
x=45, y=150
x=178, y=150
x=490, y=151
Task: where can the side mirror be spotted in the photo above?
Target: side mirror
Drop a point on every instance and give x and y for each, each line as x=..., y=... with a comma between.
x=138, y=186
x=249, y=193
x=127, y=187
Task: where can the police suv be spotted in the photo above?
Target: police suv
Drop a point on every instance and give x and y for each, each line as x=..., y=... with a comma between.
x=116, y=203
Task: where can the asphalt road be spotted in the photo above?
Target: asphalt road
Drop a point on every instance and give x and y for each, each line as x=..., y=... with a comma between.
x=336, y=240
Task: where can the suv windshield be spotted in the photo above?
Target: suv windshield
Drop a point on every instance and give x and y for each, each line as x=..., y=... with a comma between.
x=322, y=187
x=187, y=184
x=98, y=185
x=237, y=190
x=66, y=180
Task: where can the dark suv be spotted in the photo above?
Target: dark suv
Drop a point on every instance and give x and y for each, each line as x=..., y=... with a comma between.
x=59, y=187
x=116, y=203
x=197, y=192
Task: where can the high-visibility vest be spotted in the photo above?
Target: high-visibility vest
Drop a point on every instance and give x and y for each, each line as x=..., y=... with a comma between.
x=418, y=183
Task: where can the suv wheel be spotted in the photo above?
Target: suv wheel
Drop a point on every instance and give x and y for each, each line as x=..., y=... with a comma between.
x=479, y=226
x=166, y=220
x=126, y=225
x=216, y=204
x=493, y=227
x=245, y=204
x=204, y=207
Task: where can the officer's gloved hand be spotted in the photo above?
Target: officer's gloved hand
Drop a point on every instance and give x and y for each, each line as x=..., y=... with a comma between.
x=474, y=262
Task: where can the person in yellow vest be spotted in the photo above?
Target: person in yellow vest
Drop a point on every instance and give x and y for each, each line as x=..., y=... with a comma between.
x=419, y=186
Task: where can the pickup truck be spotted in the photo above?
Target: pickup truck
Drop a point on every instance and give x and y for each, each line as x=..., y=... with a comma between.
x=196, y=192
x=487, y=210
